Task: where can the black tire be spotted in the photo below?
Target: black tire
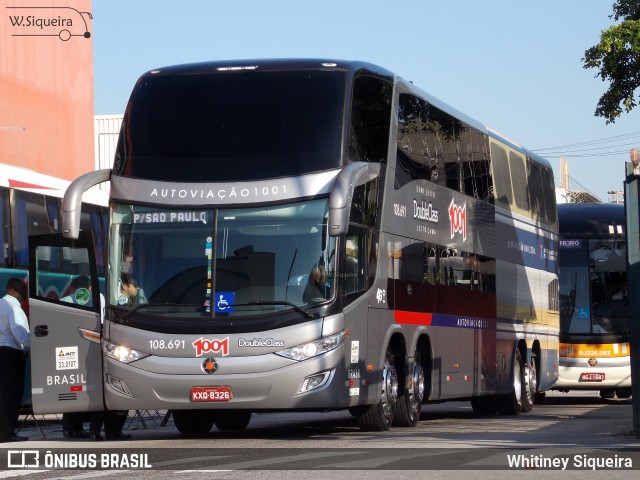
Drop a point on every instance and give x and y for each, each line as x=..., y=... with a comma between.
x=379, y=416
x=193, y=421
x=623, y=393
x=409, y=404
x=511, y=403
x=530, y=386
x=607, y=393
x=540, y=396
x=484, y=405
x=233, y=419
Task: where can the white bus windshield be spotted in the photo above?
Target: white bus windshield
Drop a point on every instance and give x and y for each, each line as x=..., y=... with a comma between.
x=591, y=297
x=232, y=262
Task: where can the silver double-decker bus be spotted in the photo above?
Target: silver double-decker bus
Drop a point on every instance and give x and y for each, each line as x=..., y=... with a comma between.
x=302, y=235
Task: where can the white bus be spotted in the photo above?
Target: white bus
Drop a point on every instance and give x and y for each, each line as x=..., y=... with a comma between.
x=309, y=235
x=594, y=308
x=30, y=204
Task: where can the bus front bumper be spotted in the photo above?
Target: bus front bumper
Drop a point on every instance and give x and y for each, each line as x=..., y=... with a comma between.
x=128, y=387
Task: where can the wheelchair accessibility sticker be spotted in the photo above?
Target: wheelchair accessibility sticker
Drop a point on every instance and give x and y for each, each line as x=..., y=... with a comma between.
x=224, y=302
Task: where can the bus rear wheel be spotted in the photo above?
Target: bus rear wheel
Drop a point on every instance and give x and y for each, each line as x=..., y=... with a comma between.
x=409, y=403
x=530, y=386
x=623, y=393
x=233, y=420
x=193, y=421
x=379, y=416
x=512, y=403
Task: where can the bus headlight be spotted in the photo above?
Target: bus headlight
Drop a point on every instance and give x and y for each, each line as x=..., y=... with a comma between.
x=313, y=349
x=121, y=353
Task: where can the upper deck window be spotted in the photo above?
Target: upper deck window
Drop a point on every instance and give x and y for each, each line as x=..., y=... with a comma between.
x=238, y=126
x=370, y=119
x=436, y=146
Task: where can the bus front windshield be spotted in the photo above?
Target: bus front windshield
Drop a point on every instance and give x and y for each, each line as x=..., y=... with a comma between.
x=209, y=262
x=593, y=289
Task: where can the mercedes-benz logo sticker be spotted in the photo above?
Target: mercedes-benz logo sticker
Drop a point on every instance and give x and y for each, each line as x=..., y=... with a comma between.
x=209, y=365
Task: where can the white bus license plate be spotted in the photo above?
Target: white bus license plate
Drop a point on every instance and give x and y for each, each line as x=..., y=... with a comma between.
x=591, y=377
x=211, y=394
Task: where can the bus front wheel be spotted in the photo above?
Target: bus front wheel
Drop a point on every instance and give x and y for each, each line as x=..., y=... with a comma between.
x=607, y=393
x=193, y=421
x=233, y=420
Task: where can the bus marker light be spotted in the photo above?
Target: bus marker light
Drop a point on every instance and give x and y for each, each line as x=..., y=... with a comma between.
x=314, y=381
x=119, y=385
x=90, y=335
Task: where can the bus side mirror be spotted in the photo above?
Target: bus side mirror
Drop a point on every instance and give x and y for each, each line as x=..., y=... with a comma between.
x=72, y=201
x=351, y=176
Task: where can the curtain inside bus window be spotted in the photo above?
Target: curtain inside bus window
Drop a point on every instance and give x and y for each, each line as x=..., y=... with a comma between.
x=98, y=239
x=501, y=175
x=52, y=210
x=549, y=195
x=519, y=179
x=22, y=233
x=3, y=221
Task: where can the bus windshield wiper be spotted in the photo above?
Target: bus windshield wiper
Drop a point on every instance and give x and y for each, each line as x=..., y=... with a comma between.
x=275, y=302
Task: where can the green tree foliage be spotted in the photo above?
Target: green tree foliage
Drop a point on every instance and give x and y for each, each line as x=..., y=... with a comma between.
x=617, y=57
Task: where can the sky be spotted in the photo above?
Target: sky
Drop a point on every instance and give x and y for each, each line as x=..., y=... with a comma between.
x=513, y=66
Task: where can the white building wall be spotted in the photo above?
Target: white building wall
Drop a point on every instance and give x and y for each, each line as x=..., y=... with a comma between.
x=106, y=130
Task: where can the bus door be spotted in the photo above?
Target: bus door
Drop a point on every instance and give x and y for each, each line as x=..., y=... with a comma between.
x=65, y=318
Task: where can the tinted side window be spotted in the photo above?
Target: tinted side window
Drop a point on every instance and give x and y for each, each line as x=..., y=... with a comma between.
x=435, y=146
x=549, y=195
x=360, y=251
x=370, y=119
x=33, y=215
x=232, y=126
x=537, y=191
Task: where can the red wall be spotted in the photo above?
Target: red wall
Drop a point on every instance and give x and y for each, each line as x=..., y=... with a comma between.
x=46, y=87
